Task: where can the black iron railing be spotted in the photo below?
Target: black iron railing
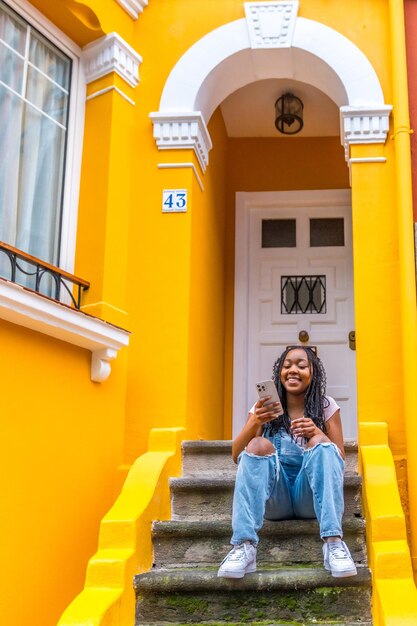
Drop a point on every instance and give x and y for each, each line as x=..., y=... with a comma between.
x=42, y=277
x=303, y=294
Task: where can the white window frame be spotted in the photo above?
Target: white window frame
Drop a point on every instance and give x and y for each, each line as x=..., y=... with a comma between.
x=31, y=310
x=75, y=131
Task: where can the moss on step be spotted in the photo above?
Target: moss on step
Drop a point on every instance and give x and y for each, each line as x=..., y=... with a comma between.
x=322, y=604
x=188, y=603
x=262, y=623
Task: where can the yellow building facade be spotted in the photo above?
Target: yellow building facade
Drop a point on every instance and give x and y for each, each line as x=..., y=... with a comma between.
x=164, y=139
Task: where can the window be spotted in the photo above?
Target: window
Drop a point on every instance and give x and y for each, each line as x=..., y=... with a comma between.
x=278, y=233
x=327, y=232
x=36, y=150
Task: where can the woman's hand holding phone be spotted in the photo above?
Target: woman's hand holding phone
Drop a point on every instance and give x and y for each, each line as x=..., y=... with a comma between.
x=266, y=410
x=268, y=407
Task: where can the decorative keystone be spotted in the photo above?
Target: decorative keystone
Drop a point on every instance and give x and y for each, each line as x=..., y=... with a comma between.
x=133, y=7
x=111, y=54
x=271, y=24
x=363, y=125
x=182, y=130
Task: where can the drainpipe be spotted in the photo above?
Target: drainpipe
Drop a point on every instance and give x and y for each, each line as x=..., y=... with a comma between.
x=408, y=305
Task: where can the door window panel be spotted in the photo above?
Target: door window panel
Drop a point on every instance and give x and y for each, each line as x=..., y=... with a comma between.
x=279, y=234
x=326, y=232
x=303, y=294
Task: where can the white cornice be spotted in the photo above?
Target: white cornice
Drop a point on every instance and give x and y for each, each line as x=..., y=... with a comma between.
x=178, y=166
x=364, y=125
x=31, y=310
x=271, y=24
x=133, y=7
x=182, y=130
x=111, y=54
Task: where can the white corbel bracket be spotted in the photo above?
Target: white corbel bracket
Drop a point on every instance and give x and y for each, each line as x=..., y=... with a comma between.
x=100, y=364
x=361, y=125
x=111, y=54
x=26, y=308
x=133, y=7
x=182, y=130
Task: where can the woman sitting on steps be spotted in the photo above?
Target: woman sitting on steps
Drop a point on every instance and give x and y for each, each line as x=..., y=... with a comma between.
x=291, y=461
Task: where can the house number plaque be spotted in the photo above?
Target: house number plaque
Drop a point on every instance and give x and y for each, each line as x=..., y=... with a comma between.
x=174, y=201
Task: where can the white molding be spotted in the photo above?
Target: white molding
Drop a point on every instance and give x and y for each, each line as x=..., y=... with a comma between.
x=360, y=160
x=178, y=166
x=31, y=310
x=361, y=125
x=133, y=7
x=73, y=168
x=183, y=130
x=368, y=160
x=223, y=61
x=271, y=24
x=110, y=54
x=101, y=92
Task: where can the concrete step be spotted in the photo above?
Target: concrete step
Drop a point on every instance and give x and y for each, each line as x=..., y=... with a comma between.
x=214, y=458
x=287, y=594
x=263, y=623
x=202, y=543
x=211, y=497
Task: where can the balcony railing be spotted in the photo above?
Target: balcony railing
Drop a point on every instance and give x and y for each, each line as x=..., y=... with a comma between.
x=42, y=277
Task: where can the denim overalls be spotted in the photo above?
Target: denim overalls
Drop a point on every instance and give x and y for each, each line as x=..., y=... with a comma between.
x=291, y=483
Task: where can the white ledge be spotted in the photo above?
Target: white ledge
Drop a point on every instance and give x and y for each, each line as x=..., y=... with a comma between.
x=26, y=308
x=178, y=129
x=133, y=7
x=110, y=54
x=364, y=125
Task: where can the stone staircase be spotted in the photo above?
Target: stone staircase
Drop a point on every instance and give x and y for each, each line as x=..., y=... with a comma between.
x=290, y=585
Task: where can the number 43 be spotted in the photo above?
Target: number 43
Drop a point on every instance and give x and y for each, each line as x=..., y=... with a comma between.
x=175, y=200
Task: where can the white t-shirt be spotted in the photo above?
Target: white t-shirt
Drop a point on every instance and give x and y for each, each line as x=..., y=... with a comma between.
x=328, y=410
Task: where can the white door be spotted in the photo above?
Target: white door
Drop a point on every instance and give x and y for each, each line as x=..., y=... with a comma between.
x=294, y=275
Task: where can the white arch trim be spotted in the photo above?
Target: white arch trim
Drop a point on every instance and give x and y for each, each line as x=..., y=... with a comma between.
x=224, y=61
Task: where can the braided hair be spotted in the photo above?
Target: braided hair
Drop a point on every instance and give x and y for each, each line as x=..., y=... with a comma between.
x=315, y=400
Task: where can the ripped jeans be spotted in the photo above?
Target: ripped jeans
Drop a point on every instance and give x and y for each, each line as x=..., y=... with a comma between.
x=291, y=483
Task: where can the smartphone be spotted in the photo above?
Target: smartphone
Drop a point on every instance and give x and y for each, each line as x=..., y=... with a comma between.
x=267, y=388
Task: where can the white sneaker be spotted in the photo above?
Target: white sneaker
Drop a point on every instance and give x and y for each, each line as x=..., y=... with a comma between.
x=337, y=559
x=241, y=560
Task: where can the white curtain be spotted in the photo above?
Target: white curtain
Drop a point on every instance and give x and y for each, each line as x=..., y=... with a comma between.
x=33, y=118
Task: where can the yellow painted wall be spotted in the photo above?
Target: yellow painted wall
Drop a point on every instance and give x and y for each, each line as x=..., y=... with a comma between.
x=177, y=316
x=61, y=442
x=206, y=379
x=376, y=267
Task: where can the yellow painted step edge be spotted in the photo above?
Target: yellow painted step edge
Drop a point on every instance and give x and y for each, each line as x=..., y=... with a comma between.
x=125, y=543
x=394, y=590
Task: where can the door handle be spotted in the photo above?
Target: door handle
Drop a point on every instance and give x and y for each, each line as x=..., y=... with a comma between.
x=303, y=336
x=352, y=340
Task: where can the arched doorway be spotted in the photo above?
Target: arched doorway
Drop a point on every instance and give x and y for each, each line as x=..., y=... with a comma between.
x=228, y=60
